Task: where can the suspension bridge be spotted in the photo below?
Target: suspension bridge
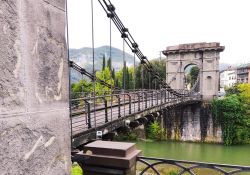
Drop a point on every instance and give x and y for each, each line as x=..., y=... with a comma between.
x=91, y=113
x=34, y=113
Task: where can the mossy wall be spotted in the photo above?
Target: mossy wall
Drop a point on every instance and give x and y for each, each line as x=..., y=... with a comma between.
x=191, y=123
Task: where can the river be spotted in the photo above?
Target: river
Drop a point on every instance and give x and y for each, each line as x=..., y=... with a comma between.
x=202, y=152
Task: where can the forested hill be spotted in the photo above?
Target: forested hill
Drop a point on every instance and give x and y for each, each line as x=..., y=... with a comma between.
x=83, y=57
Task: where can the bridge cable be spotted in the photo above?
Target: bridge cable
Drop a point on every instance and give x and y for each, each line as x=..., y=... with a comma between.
x=134, y=80
x=134, y=46
x=93, y=55
x=124, y=75
x=89, y=75
x=110, y=56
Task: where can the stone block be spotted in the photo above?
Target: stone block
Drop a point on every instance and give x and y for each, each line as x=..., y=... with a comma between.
x=33, y=144
x=108, y=158
x=34, y=101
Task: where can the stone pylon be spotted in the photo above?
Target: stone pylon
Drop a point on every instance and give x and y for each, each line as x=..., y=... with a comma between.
x=34, y=82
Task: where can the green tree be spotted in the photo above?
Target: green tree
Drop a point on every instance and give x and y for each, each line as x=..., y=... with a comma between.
x=109, y=64
x=104, y=75
x=154, y=131
x=159, y=66
x=194, y=72
x=103, y=62
x=83, y=86
x=119, y=78
x=232, y=113
x=113, y=74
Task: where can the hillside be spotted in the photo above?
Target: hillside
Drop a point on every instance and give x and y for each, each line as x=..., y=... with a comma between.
x=83, y=57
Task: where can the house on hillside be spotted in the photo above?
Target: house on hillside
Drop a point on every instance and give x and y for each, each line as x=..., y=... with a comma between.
x=243, y=73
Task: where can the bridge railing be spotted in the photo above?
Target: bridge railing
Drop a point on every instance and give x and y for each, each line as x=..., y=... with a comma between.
x=92, y=111
x=152, y=166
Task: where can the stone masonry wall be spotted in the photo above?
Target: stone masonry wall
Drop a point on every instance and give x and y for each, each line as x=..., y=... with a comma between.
x=34, y=113
x=191, y=123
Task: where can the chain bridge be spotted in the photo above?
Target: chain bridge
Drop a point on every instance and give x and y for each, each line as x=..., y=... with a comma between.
x=38, y=109
x=107, y=112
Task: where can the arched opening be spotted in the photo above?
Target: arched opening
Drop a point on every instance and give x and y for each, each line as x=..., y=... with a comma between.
x=191, y=75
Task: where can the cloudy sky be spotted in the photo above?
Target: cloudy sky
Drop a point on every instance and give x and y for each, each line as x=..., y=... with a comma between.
x=156, y=24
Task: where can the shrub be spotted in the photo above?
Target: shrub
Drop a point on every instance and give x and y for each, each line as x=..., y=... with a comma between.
x=155, y=132
x=231, y=114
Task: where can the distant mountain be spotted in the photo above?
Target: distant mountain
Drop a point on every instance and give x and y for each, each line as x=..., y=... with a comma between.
x=83, y=57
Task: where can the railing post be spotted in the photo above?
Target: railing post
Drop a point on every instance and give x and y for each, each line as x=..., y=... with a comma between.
x=119, y=106
x=152, y=99
x=161, y=96
x=89, y=114
x=106, y=109
x=165, y=96
x=129, y=103
x=146, y=101
x=169, y=96
x=139, y=100
x=157, y=98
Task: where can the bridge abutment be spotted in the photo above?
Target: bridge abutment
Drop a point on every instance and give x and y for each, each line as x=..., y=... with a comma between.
x=34, y=109
x=192, y=123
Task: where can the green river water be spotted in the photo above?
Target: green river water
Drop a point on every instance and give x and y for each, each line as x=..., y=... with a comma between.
x=202, y=152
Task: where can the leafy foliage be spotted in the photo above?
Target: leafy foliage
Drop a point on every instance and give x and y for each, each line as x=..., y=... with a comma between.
x=155, y=132
x=82, y=87
x=104, y=75
x=123, y=78
x=232, y=113
x=159, y=66
x=192, y=75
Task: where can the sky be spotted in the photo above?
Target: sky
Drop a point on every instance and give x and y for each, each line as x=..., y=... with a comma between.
x=156, y=24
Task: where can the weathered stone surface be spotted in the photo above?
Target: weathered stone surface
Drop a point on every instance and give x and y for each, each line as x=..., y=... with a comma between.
x=192, y=123
x=11, y=86
x=194, y=46
x=205, y=56
x=34, y=144
x=34, y=114
x=191, y=130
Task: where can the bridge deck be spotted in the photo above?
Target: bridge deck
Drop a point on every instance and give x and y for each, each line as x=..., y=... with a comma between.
x=87, y=118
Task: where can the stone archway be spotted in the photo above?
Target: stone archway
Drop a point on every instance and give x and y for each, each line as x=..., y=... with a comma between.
x=205, y=55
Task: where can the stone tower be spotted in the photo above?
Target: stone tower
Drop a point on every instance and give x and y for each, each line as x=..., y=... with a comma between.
x=205, y=55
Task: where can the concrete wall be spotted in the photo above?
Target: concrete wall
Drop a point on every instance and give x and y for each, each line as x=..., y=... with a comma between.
x=34, y=114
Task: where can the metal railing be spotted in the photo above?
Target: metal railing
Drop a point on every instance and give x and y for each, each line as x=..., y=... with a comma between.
x=152, y=166
x=110, y=107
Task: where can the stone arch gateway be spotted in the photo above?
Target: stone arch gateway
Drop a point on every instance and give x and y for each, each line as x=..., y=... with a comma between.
x=205, y=55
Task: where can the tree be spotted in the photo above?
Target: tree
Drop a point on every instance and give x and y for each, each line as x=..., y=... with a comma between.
x=194, y=72
x=109, y=64
x=104, y=75
x=232, y=113
x=83, y=86
x=113, y=74
x=159, y=66
x=103, y=62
